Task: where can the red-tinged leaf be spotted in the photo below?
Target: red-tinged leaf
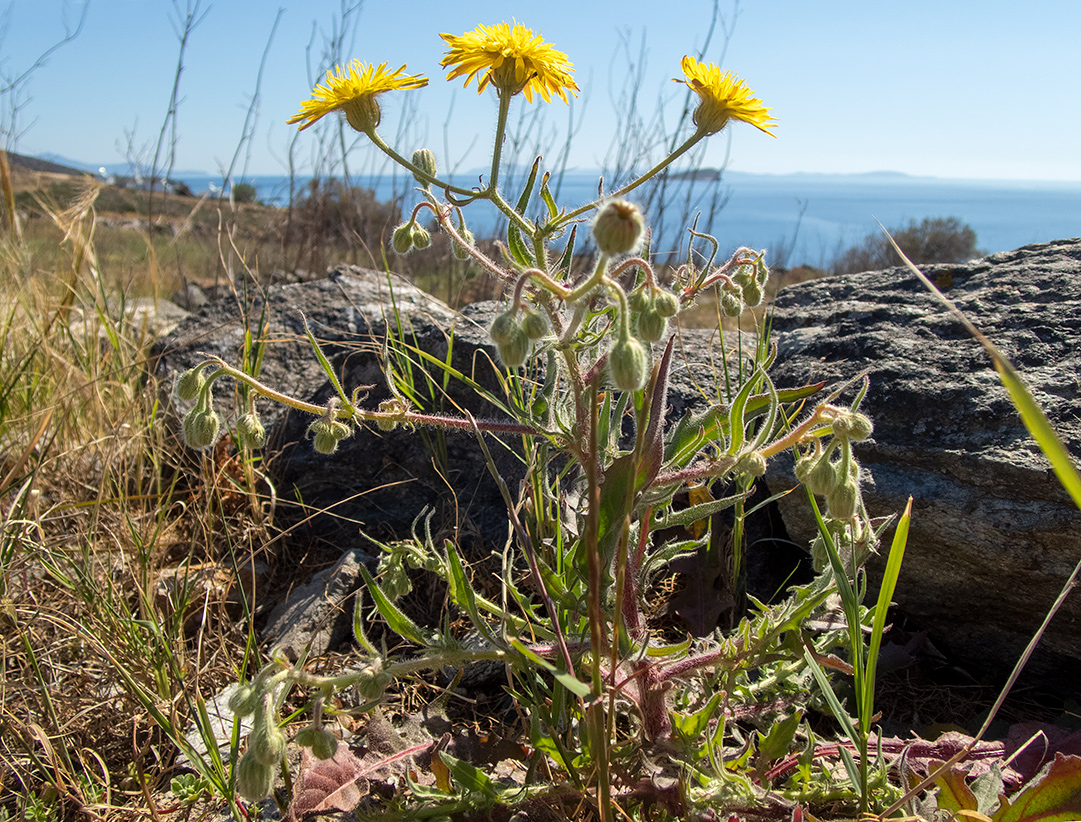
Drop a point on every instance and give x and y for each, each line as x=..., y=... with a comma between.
x=1054, y=796
x=328, y=784
x=954, y=794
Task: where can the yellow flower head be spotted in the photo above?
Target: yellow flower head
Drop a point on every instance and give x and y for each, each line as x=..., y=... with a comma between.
x=354, y=93
x=723, y=97
x=513, y=59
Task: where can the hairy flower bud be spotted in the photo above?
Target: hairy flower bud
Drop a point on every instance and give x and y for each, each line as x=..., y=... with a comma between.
x=628, y=364
x=752, y=294
x=321, y=741
x=639, y=300
x=326, y=434
x=731, y=300
x=842, y=501
x=618, y=227
x=245, y=700
x=424, y=159
x=201, y=426
x=505, y=327
x=761, y=272
x=823, y=478
x=402, y=238
x=362, y=112
x=651, y=325
x=421, y=237
x=251, y=430
x=459, y=251
x=666, y=303
x=853, y=426
x=515, y=352
x=254, y=780
x=392, y=406
x=373, y=680
x=752, y=464
x=266, y=742
x=191, y=382
x=534, y=324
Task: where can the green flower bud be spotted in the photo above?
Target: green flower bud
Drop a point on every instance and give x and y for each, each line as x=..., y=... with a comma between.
x=628, y=364
x=393, y=406
x=505, y=327
x=853, y=426
x=805, y=465
x=744, y=275
x=326, y=434
x=245, y=700
x=842, y=501
x=421, y=238
x=321, y=741
x=362, y=112
x=731, y=300
x=251, y=430
x=191, y=382
x=639, y=300
x=823, y=479
x=752, y=294
x=457, y=249
x=402, y=239
x=618, y=227
x=534, y=324
x=515, y=351
x=373, y=681
x=752, y=464
x=254, y=780
x=201, y=426
x=425, y=161
x=651, y=325
x=761, y=272
x=266, y=741
x=666, y=303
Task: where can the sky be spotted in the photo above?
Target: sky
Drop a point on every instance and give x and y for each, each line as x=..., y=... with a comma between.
x=986, y=89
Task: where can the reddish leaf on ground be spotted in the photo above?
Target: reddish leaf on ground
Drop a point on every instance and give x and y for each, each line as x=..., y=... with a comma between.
x=327, y=784
x=1054, y=796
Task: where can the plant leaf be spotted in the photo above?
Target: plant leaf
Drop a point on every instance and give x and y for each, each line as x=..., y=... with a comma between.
x=1053, y=796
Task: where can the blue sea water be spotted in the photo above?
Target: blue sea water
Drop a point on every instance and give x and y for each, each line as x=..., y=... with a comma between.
x=802, y=218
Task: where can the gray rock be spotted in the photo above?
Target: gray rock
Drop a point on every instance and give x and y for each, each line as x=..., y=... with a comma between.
x=993, y=534
x=318, y=617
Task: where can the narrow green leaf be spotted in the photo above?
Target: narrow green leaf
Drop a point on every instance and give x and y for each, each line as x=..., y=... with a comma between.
x=885, y=594
x=471, y=778
x=546, y=196
x=397, y=621
x=567, y=680
x=527, y=192
x=841, y=715
x=325, y=363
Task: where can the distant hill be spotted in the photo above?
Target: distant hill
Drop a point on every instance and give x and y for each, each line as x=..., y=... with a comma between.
x=43, y=166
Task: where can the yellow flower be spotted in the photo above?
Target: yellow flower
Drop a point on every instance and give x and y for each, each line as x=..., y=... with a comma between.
x=723, y=97
x=354, y=93
x=512, y=59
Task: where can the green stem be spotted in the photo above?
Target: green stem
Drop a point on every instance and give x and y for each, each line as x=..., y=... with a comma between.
x=690, y=143
x=428, y=178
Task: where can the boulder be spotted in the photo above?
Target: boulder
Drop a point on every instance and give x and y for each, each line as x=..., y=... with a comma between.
x=993, y=534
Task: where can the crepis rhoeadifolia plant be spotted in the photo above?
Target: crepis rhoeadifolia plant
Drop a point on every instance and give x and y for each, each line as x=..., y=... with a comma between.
x=585, y=364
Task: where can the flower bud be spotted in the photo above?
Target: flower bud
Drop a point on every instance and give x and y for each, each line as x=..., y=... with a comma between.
x=743, y=275
x=628, y=364
x=392, y=406
x=373, y=681
x=505, y=327
x=731, y=300
x=842, y=501
x=402, y=239
x=853, y=426
x=752, y=294
x=823, y=479
x=421, y=238
x=191, y=382
x=639, y=300
x=534, y=324
x=805, y=465
x=666, y=303
x=618, y=227
x=245, y=700
x=201, y=426
x=651, y=325
x=753, y=464
x=254, y=780
x=424, y=159
x=458, y=250
x=326, y=434
x=515, y=351
x=362, y=112
x=321, y=741
x=761, y=272
x=251, y=430
x=266, y=742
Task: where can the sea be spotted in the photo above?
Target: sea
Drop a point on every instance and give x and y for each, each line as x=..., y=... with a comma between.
x=800, y=219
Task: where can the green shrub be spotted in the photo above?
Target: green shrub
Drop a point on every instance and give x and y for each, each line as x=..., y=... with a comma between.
x=934, y=240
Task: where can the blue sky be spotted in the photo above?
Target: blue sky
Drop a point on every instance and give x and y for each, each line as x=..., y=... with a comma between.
x=984, y=89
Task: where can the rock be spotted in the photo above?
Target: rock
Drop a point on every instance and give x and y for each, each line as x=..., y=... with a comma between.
x=993, y=534
x=318, y=617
